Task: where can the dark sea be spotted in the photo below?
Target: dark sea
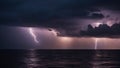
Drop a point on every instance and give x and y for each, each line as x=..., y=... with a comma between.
x=59, y=58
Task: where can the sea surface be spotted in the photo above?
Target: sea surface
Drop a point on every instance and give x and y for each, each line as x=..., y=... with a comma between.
x=59, y=58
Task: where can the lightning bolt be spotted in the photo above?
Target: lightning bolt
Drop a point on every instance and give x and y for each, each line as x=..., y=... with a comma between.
x=33, y=35
x=96, y=43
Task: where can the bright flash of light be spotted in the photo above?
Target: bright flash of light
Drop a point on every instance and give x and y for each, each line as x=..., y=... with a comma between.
x=96, y=24
x=33, y=35
x=109, y=23
x=65, y=41
x=96, y=43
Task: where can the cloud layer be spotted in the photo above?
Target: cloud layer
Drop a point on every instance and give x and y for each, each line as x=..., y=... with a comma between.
x=57, y=14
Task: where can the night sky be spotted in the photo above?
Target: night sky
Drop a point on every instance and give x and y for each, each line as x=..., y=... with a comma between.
x=57, y=24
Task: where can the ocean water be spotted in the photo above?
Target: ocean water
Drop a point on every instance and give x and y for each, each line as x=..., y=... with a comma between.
x=59, y=58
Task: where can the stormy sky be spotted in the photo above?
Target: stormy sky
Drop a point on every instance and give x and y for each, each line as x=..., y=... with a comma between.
x=65, y=17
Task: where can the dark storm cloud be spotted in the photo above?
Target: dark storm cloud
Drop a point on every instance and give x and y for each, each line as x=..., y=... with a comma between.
x=34, y=11
x=57, y=14
x=103, y=30
x=8, y=14
x=111, y=4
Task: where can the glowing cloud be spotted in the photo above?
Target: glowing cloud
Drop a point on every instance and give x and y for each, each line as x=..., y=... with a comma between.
x=33, y=35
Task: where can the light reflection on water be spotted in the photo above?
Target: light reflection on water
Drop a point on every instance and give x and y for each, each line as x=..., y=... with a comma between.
x=70, y=59
x=104, y=60
x=31, y=60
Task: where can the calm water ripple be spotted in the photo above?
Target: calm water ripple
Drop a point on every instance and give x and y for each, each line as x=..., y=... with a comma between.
x=59, y=59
